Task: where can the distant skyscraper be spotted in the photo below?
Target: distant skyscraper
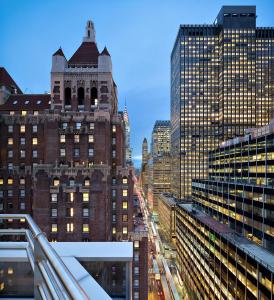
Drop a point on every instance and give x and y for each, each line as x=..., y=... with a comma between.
x=160, y=142
x=144, y=151
x=127, y=137
x=221, y=83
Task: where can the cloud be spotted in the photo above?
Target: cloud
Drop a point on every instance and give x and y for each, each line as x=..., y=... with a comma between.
x=137, y=157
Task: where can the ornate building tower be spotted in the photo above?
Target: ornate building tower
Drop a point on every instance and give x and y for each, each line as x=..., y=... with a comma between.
x=127, y=137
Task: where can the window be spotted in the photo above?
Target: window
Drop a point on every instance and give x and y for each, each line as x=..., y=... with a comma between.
x=114, y=205
x=76, y=138
x=62, y=152
x=10, y=193
x=113, y=180
x=54, y=212
x=113, y=193
x=22, y=153
x=90, y=138
x=71, y=182
x=124, y=193
x=76, y=152
x=113, y=141
x=87, y=182
x=10, y=166
x=22, y=128
x=64, y=125
x=113, y=153
x=54, y=228
x=113, y=128
x=85, y=197
x=22, y=205
x=78, y=125
x=136, y=270
x=125, y=218
x=91, y=126
x=53, y=197
x=93, y=96
x=136, y=282
x=1, y=181
x=67, y=96
x=10, y=128
x=124, y=204
x=136, y=295
x=85, y=228
x=22, y=193
x=10, y=180
x=113, y=230
x=22, y=141
x=22, y=181
x=70, y=227
x=34, y=128
x=35, y=112
x=10, y=154
x=56, y=181
x=71, y=197
x=70, y=212
x=136, y=244
x=10, y=141
x=90, y=152
x=34, y=141
x=124, y=180
x=124, y=230
x=23, y=112
x=11, y=113
x=62, y=138
x=34, y=154
x=113, y=218
x=85, y=212
x=81, y=95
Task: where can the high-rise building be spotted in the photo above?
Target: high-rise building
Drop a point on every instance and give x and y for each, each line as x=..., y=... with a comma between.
x=221, y=84
x=145, y=167
x=159, y=164
x=127, y=136
x=145, y=154
x=225, y=239
x=63, y=155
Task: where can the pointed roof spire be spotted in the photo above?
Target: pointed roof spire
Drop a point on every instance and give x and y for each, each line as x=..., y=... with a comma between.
x=59, y=52
x=90, y=33
x=105, y=52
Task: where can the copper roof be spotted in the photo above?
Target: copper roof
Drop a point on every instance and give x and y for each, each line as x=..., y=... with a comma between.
x=26, y=102
x=7, y=81
x=86, y=54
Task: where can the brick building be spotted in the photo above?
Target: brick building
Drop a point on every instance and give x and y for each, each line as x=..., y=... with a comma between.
x=63, y=154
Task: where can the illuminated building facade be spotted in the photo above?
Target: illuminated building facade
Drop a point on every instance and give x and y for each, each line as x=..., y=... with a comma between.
x=127, y=137
x=221, y=84
x=63, y=155
x=144, y=166
x=160, y=142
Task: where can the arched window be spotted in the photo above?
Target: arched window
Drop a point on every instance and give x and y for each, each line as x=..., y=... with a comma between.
x=93, y=96
x=67, y=96
x=81, y=96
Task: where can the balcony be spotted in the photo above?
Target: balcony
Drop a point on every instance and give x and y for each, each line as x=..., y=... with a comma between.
x=33, y=268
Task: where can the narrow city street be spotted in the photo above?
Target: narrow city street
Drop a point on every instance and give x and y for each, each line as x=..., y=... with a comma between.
x=163, y=284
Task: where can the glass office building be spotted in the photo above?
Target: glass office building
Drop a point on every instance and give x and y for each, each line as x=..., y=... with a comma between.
x=222, y=82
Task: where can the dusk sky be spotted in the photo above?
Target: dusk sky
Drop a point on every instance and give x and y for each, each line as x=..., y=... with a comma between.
x=138, y=34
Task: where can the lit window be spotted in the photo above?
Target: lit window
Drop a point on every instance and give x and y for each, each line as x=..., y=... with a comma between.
x=85, y=197
x=34, y=141
x=22, y=205
x=124, y=193
x=11, y=113
x=114, y=205
x=87, y=182
x=64, y=125
x=62, y=152
x=70, y=227
x=53, y=197
x=113, y=128
x=10, y=154
x=71, y=182
x=71, y=197
x=124, y=204
x=113, y=141
x=23, y=112
x=22, y=193
x=10, y=141
x=71, y=212
x=39, y=102
x=124, y=180
x=125, y=218
x=54, y=212
x=35, y=112
x=113, y=230
x=1, y=181
x=56, y=181
x=85, y=212
x=136, y=244
x=78, y=125
x=10, y=193
x=22, y=153
x=10, y=271
x=10, y=180
x=90, y=138
x=113, y=218
x=10, y=166
x=10, y=128
x=85, y=228
x=34, y=128
x=22, y=181
x=22, y=128
x=90, y=152
x=113, y=153
x=124, y=230
x=22, y=141
x=54, y=228
x=34, y=154
x=113, y=193
x=91, y=126
x=76, y=152
x=76, y=138
x=62, y=138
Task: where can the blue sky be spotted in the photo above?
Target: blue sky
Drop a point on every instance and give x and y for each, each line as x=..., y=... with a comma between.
x=138, y=33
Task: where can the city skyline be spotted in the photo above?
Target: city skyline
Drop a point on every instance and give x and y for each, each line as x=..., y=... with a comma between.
x=147, y=88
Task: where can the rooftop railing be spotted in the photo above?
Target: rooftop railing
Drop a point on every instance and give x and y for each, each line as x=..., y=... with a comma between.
x=52, y=279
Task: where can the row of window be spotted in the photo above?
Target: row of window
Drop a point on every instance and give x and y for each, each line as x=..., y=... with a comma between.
x=23, y=141
x=70, y=228
x=69, y=212
x=77, y=138
x=23, y=128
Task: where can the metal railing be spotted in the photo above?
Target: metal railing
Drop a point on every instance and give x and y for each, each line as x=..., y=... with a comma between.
x=52, y=279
